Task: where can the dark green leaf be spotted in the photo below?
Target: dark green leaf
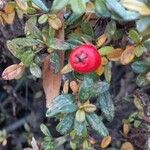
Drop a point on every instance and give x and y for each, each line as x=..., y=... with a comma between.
x=41, y=5
x=97, y=124
x=78, y=6
x=134, y=35
x=106, y=105
x=54, y=62
x=66, y=124
x=140, y=67
x=57, y=44
x=35, y=70
x=59, y=5
x=101, y=8
x=45, y=130
x=141, y=81
x=85, y=91
x=87, y=29
x=100, y=87
x=80, y=128
x=62, y=104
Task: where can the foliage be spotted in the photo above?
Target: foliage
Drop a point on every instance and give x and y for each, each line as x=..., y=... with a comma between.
x=90, y=104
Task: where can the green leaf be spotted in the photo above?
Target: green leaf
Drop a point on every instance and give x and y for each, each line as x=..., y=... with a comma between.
x=97, y=124
x=41, y=5
x=134, y=35
x=80, y=115
x=45, y=130
x=101, y=8
x=106, y=50
x=107, y=72
x=100, y=87
x=140, y=67
x=106, y=105
x=31, y=29
x=78, y=6
x=35, y=70
x=73, y=18
x=62, y=104
x=87, y=29
x=80, y=128
x=141, y=81
x=25, y=42
x=57, y=44
x=65, y=124
x=85, y=91
x=139, y=50
x=27, y=57
x=111, y=29
x=143, y=23
x=54, y=62
x=59, y=5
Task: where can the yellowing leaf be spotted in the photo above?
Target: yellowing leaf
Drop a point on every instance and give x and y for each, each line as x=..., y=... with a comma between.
x=55, y=22
x=13, y=72
x=106, y=141
x=104, y=61
x=66, y=69
x=101, y=40
x=66, y=87
x=126, y=128
x=89, y=6
x=74, y=87
x=89, y=108
x=9, y=8
x=138, y=104
x=100, y=70
x=127, y=146
x=115, y=54
x=136, y=5
x=22, y=4
x=128, y=55
x=80, y=116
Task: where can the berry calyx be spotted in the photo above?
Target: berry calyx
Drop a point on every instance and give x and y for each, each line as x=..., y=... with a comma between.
x=85, y=58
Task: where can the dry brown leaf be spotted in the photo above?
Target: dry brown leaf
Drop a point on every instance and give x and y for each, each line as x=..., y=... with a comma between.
x=34, y=144
x=51, y=81
x=128, y=55
x=13, y=72
x=101, y=40
x=8, y=18
x=66, y=69
x=127, y=146
x=148, y=76
x=106, y=141
x=28, y=148
x=115, y=54
x=126, y=128
x=74, y=87
x=104, y=61
x=100, y=70
x=66, y=87
x=9, y=8
x=92, y=140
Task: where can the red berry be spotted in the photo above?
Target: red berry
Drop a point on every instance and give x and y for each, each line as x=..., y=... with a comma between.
x=85, y=59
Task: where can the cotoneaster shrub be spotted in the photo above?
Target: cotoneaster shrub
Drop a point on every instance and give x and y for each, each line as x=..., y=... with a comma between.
x=88, y=57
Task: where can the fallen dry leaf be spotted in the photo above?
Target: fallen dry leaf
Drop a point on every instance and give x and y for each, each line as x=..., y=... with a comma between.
x=115, y=54
x=52, y=81
x=126, y=128
x=92, y=140
x=66, y=87
x=127, y=146
x=101, y=40
x=148, y=76
x=13, y=72
x=106, y=141
x=74, y=87
x=128, y=55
